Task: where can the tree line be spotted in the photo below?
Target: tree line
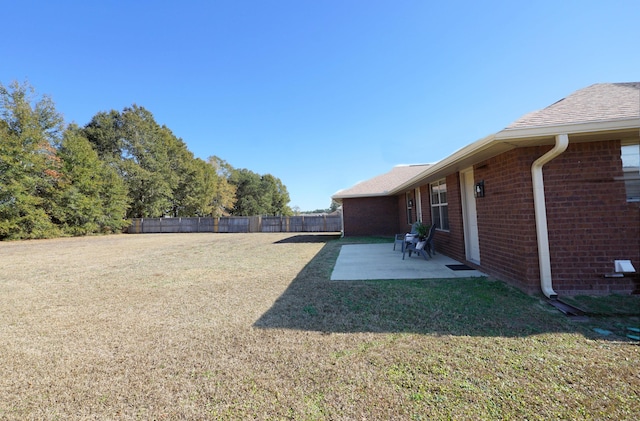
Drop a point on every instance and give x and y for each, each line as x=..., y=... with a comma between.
x=61, y=179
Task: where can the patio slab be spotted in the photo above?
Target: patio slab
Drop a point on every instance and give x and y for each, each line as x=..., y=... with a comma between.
x=359, y=262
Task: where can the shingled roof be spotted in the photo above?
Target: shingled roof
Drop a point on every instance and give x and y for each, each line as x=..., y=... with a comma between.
x=599, y=102
x=383, y=184
x=603, y=107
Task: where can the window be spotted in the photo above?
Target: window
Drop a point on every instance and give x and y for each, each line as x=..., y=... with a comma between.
x=439, y=205
x=630, y=154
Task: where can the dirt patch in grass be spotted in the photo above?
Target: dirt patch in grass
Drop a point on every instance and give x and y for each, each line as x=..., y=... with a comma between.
x=248, y=326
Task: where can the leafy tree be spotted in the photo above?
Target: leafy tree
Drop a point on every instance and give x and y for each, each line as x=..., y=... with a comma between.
x=225, y=191
x=139, y=148
x=196, y=189
x=276, y=196
x=162, y=175
x=151, y=183
x=95, y=199
x=78, y=181
x=248, y=193
x=259, y=195
x=203, y=188
x=30, y=177
x=104, y=131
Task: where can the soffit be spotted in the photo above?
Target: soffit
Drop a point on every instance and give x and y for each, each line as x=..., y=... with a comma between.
x=507, y=140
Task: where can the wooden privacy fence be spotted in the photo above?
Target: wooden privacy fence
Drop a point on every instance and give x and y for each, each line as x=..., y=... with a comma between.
x=305, y=223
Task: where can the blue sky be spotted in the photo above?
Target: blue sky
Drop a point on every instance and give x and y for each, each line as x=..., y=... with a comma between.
x=321, y=94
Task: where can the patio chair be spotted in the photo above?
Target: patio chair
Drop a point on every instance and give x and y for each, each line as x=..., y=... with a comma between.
x=402, y=238
x=423, y=248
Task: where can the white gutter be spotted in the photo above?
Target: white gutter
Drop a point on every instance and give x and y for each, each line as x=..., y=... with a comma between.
x=573, y=128
x=510, y=138
x=539, y=204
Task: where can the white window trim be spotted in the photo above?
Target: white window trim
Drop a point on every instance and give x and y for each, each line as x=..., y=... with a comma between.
x=439, y=206
x=631, y=173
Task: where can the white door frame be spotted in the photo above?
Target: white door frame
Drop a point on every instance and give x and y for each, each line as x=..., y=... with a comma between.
x=469, y=216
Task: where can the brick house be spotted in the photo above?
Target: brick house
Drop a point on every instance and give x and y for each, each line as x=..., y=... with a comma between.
x=549, y=203
x=373, y=208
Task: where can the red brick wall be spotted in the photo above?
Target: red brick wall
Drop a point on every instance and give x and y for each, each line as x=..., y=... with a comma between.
x=590, y=224
x=371, y=216
x=404, y=225
x=451, y=242
x=506, y=222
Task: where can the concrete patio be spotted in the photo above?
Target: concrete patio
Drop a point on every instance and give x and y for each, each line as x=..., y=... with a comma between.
x=380, y=261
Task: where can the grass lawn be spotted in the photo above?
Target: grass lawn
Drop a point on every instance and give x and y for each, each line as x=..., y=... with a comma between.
x=249, y=326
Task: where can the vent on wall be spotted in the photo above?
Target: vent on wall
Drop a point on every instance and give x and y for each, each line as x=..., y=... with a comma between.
x=624, y=266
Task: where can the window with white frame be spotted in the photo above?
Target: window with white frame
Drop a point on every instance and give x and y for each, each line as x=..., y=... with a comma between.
x=630, y=154
x=439, y=205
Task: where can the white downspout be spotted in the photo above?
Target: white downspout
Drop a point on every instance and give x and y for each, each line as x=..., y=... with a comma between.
x=539, y=204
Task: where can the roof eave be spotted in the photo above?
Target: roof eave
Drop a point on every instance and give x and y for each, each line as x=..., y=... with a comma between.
x=338, y=196
x=446, y=163
x=508, y=139
x=570, y=128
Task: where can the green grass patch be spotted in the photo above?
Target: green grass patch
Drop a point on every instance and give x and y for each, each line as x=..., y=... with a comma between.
x=364, y=240
x=464, y=306
x=608, y=305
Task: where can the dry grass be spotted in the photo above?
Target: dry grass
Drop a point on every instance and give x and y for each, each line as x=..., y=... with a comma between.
x=247, y=326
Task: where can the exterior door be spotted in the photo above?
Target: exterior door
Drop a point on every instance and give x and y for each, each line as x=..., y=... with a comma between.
x=469, y=216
